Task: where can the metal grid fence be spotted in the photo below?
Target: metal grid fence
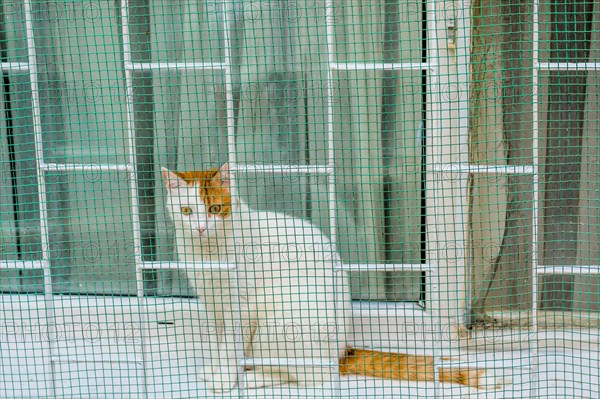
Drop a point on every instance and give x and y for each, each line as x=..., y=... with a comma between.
x=438, y=167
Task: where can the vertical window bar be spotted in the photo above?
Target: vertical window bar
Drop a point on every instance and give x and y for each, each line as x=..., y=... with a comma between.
x=446, y=192
x=226, y=11
x=536, y=201
x=133, y=187
x=432, y=129
x=50, y=350
x=329, y=19
x=433, y=133
x=463, y=49
x=331, y=188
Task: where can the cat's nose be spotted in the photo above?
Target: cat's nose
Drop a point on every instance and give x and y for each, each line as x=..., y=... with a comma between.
x=201, y=230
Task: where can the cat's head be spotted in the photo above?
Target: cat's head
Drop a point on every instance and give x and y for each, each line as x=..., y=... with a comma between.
x=199, y=202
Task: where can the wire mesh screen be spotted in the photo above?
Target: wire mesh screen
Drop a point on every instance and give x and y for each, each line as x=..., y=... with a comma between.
x=308, y=198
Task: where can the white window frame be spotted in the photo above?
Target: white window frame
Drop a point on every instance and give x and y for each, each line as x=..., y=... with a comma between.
x=447, y=172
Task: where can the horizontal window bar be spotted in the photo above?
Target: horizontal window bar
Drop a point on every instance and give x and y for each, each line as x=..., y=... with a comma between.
x=230, y=266
x=275, y=361
x=569, y=66
x=568, y=269
x=58, y=167
x=282, y=168
x=500, y=363
x=14, y=66
x=362, y=66
x=142, y=66
x=96, y=359
x=492, y=169
x=21, y=264
x=185, y=266
x=373, y=267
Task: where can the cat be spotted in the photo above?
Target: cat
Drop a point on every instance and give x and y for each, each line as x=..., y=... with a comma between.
x=288, y=292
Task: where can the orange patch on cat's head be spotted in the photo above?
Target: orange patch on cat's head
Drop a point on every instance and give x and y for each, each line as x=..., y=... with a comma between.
x=213, y=186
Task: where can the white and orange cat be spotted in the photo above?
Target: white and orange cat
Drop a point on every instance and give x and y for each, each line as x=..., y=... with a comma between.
x=288, y=292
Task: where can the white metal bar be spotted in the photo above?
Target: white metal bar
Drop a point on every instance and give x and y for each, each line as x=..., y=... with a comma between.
x=501, y=363
x=463, y=69
x=432, y=127
x=536, y=199
x=331, y=186
x=86, y=167
x=383, y=267
x=568, y=66
x=129, y=101
x=133, y=188
x=21, y=264
x=276, y=361
x=185, y=266
x=95, y=359
x=382, y=66
x=491, y=169
x=281, y=169
x=462, y=53
x=14, y=66
x=330, y=169
x=232, y=155
x=49, y=349
x=568, y=269
x=38, y=143
x=145, y=66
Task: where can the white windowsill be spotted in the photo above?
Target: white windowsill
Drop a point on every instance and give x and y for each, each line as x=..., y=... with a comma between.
x=99, y=354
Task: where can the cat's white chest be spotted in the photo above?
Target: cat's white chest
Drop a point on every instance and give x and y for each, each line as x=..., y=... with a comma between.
x=193, y=249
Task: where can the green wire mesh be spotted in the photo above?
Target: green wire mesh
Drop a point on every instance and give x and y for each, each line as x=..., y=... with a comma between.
x=449, y=149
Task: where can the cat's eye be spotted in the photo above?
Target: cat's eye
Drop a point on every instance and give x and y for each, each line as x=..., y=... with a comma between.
x=214, y=209
x=186, y=210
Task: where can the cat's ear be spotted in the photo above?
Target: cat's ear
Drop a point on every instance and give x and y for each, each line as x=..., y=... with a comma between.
x=171, y=179
x=223, y=176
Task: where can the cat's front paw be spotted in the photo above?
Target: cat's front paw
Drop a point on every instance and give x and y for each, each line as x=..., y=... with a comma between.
x=221, y=379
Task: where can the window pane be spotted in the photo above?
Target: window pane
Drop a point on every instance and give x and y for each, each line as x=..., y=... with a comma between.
x=281, y=90
x=501, y=243
x=569, y=116
x=19, y=209
x=81, y=83
x=92, y=237
x=365, y=30
x=187, y=31
x=13, y=23
x=188, y=113
x=379, y=182
x=565, y=27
